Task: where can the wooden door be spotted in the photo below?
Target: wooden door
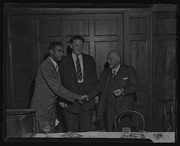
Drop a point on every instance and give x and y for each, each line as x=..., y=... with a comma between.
x=138, y=54
x=21, y=61
x=164, y=64
x=48, y=29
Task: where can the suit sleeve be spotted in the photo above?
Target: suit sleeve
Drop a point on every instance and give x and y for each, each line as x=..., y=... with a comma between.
x=55, y=85
x=102, y=100
x=96, y=87
x=133, y=86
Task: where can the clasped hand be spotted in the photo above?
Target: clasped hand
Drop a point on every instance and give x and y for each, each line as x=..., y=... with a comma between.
x=118, y=92
x=80, y=100
x=83, y=99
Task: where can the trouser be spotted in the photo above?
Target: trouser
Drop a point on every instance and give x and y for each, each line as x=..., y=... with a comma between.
x=43, y=119
x=40, y=126
x=79, y=122
x=82, y=120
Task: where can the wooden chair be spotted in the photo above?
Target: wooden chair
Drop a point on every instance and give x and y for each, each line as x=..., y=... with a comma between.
x=137, y=120
x=169, y=114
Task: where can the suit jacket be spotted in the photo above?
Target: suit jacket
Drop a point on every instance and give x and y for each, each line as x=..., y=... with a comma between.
x=126, y=78
x=69, y=80
x=47, y=88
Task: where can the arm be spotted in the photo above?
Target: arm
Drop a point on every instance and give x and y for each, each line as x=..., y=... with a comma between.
x=98, y=86
x=56, y=86
x=133, y=83
x=131, y=88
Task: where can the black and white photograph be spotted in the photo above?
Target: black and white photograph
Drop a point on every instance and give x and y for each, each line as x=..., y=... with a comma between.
x=90, y=72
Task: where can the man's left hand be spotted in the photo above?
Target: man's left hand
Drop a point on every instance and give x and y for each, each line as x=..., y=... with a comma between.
x=84, y=98
x=118, y=92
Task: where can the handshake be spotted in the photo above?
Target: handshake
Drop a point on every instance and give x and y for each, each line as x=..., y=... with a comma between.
x=81, y=99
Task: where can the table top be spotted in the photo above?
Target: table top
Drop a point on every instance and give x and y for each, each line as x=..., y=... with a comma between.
x=156, y=137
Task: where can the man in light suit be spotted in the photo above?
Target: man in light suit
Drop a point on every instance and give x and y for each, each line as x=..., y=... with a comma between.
x=118, y=85
x=78, y=116
x=48, y=87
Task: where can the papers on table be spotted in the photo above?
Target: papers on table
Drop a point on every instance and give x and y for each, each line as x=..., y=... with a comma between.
x=134, y=135
x=72, y=135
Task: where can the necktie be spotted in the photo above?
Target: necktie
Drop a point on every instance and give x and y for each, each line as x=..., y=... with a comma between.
x=57, y=71
x=78, y=67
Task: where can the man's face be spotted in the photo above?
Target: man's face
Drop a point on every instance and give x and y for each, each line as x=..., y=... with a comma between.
x=113, y=60
x=77, y=47
x=57, y=53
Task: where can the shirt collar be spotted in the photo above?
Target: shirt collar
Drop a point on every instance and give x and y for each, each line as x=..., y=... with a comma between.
x=74, y=56
x=116, y=69
x=54, y=62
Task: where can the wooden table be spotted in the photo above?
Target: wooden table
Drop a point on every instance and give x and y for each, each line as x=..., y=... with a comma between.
x=167, y=137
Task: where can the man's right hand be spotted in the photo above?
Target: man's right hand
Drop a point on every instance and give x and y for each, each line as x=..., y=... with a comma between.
x=82, y=99
x=63, y=105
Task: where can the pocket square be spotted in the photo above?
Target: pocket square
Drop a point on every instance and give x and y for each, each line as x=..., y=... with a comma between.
x=125, y=78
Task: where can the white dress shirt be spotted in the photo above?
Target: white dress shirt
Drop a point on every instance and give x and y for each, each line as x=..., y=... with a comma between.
x=115, y=70
x=55, y=64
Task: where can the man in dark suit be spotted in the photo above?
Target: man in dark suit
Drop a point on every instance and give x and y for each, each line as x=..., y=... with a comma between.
x=118, y=85
x=48, y=87
x=78, y=74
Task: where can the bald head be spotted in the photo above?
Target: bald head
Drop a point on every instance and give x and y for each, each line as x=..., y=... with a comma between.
x=114, y=58
x=116, y=53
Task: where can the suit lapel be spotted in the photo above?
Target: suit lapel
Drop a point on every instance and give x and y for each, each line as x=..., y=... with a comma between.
x=56, y=73
x=120, y=73
x=85, y=66
x=109, y=75
x=71, y=64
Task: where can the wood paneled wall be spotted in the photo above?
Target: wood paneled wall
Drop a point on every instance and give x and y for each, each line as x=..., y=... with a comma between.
x=145, y=37
x=164, y=63
x=138, y=54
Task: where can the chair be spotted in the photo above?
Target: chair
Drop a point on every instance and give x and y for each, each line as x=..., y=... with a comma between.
x=137, y=120
x=169, y=114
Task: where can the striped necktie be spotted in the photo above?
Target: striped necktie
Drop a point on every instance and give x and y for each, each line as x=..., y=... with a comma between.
x=78, y=67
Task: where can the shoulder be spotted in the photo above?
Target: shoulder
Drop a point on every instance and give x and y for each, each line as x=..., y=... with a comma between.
x=105, y=72
x=65, y=58
x=46, y=62
x=88, y=57
x=46, y=65
x=128, y=68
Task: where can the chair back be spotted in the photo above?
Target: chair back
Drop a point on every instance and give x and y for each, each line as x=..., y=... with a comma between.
x=136, y=120
x=170, y=118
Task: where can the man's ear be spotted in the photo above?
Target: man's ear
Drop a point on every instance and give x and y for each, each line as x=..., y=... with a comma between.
x=50, y=51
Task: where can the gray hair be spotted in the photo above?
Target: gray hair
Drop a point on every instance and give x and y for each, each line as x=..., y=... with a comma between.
x=116, y=52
